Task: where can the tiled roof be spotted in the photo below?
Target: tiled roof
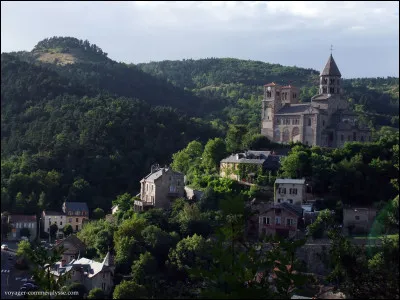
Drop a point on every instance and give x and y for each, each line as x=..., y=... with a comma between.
x=294, y=109
x=74, y=240
x=289, y=180
x=157, y=174
x=298, y=210
x=52, y=213
x=321, y=97
x=270, y=84
x=331, y=68
x=288, y=86
x=22, y=218
x=77, y=206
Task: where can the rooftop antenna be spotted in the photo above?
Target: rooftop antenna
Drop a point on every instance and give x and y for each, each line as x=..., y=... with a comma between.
x=331, y=49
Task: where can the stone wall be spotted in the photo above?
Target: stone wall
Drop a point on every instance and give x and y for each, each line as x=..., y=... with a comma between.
x=315, y=257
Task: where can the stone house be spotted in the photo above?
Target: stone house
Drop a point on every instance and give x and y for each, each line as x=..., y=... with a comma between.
x=282, y=219
x=288, y=190
x=18, y=222
x=159, y=188
x=247, y=165
x=53, y=217
x=326, y=121
x=358, y=220
x=73, y=248
x=90, y=273
x=76, y=214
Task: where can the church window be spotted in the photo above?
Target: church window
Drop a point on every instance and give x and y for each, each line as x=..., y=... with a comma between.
x=277, y=94
x=332, y=90
x=332, y=81
x=268, y=94
x=342, y=137
x=309, y=121
x=354, y=136
x=324, y=90
x=325, y=81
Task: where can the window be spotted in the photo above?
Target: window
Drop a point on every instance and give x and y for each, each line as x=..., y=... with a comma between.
x=279, y=200
x=179, y=183
x=290, y=191
x=77, y=220
x=268, y=221
x=76, y=227
x=342, y=137
x=332, y=90
x=354, y=136
x=279, y=191
x=278, y=220
x=332, y=81
x=295, y=191
x=357, y=217
x=264, y=220
x=324, y=90
x=147, y=187
x=70, y=220
x=323, y=123
x=103, y=286
x=72, y=257
x=290, y=201
x=284, y=190
x=60, y=223
x=309, y=121
x=289, y=222
x=348, y=137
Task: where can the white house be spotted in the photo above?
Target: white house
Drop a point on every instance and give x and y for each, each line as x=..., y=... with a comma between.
x=54, y=217
x=288, y=190
x=114, y=209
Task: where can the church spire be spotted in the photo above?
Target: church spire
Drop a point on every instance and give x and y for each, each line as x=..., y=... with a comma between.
x=331, y=69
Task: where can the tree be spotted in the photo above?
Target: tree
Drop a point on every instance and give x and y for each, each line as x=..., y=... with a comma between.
x=214, y=151
x=98, y=213
x=96, y=293
x=257, y=142
x=158, y=242
x=68, y=230
x=25, y=232
x=53, y=230
x=144, y=270
x=129, y=290
x=124, y=202
x=234, y=138
x=182, y=160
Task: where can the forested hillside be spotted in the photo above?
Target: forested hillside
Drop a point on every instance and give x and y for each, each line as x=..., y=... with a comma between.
x=240, y=81
x=86, y=131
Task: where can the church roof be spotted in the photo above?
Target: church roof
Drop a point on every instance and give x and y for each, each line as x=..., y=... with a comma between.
x=331, y=68
x=270, y=84
x=321, y=97
x=294, y=109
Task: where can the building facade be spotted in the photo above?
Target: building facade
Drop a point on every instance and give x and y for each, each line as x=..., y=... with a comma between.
x=76, y=214
x=292, y=191
x=18, y=222
x=53, y=217
x=72, y=246
x=358, y=220
x=255, y=160
x=159, y=188
x=326, y=121
x=281, y=219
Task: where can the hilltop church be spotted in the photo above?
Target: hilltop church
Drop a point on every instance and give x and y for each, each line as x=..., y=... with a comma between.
x=326, y=121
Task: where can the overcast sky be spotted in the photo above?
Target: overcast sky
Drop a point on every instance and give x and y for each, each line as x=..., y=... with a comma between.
x=365, y=35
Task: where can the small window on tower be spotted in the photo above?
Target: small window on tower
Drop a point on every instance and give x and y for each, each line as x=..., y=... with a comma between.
x=332, y=90
x=324, y=90
x=309, y=121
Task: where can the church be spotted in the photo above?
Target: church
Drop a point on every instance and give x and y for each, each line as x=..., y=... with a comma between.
x=326, y=121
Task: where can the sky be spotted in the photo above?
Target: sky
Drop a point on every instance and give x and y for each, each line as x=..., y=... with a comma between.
x=364, y=35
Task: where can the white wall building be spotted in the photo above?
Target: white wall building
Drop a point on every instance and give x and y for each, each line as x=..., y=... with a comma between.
x=53, y=217
x=292, y=191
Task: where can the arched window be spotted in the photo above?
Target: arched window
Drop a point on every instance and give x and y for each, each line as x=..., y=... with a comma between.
x=309, y=121
x=324, y=90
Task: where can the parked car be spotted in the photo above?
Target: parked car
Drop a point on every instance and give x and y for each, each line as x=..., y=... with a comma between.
x=4, y=247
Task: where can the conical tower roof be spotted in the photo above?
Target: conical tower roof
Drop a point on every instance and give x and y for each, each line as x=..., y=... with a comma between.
x=331, y=68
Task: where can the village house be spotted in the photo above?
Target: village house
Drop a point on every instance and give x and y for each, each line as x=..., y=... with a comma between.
x=192, y=194
x=53, y=217
x=358, y=219
x=90, y=273
x=18, y=222
x=73, y=248
x=256, y=162
x=326, y=121
x=288, y=190
x=114, y=209
x=282, y=219
x=76, y=214
x=159, y=188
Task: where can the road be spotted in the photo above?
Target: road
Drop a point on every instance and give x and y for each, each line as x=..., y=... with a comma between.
x=10, y=277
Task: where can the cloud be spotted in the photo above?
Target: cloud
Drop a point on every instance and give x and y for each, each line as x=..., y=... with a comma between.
x=288, y=32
